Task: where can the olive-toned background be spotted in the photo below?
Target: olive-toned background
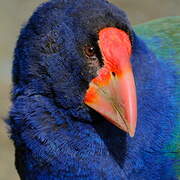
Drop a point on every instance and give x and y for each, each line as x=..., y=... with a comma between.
x=13, y=14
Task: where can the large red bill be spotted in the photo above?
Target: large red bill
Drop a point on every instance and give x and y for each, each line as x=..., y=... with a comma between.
x=112, y=93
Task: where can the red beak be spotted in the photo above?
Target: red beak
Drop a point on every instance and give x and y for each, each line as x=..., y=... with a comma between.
x=112, y=93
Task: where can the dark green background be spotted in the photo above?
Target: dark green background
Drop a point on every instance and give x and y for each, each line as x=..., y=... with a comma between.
x=13, y=13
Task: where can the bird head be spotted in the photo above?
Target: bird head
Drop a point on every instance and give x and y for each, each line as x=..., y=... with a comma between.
x=78, y=52
x=76, y=64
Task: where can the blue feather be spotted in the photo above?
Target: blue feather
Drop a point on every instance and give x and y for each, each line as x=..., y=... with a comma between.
x=55, y=135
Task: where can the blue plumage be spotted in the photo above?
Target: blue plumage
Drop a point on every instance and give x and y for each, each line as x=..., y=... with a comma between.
x=56, y=135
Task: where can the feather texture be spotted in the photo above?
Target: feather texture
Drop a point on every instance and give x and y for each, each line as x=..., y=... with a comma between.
x=55, y=135
x=162, y=37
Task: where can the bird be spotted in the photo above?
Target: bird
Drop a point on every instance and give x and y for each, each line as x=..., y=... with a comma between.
x=94, y=97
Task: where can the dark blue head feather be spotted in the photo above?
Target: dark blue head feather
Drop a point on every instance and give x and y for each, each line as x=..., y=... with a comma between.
x=55, y=134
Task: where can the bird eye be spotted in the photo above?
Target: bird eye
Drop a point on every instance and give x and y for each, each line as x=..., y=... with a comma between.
x=89, y=51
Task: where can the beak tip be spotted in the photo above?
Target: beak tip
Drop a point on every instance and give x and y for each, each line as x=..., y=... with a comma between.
x=132, y=132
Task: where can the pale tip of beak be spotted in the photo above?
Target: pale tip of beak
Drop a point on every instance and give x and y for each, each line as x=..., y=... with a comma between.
x=131, y=134
x=132, y=131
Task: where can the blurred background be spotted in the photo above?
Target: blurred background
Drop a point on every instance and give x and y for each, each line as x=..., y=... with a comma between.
x=13, y=14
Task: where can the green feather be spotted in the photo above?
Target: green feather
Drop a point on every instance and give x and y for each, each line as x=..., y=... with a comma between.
x=162, y=36
x=168, y=30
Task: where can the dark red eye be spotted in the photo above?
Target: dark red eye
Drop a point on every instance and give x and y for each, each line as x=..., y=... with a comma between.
x=89, y=51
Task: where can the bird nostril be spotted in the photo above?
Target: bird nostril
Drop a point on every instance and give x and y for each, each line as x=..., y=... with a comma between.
x=113, y=73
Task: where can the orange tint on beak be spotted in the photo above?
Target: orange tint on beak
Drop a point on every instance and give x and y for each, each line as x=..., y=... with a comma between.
x=112, y=93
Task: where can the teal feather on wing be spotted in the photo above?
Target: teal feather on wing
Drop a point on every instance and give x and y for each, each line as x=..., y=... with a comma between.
x=162, y=36
x=165, y=36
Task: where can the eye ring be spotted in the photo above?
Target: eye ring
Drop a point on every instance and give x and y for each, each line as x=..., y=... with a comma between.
x=89, y=51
